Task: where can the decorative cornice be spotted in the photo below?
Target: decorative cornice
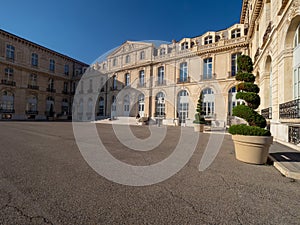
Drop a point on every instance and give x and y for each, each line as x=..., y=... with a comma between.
x=244, y=11
x=255, y=13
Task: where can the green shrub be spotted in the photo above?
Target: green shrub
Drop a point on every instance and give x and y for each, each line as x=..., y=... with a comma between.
x=199, y=119
x=243, y=129
x=248, y=91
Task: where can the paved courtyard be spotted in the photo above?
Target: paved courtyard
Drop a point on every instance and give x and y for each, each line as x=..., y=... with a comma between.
x=45, y=180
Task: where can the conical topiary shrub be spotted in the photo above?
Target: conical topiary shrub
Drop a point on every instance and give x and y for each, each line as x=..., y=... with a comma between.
x=248, y=91
x=199, y=119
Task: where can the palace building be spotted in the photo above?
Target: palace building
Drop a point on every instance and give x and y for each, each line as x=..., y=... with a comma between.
x=36, y=82
x=162, y=81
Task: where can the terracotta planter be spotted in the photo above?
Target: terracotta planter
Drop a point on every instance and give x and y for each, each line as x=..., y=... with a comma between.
x=198, y=127
x=252, y=149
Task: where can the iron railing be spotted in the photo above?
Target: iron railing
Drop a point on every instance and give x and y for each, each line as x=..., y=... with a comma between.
x=289, y=110
x=8, y=82
x=294, y=134
x=267, y=113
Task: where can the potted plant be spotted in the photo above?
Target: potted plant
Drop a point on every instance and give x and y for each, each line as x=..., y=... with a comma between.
x=251, y=141
x=199, y=119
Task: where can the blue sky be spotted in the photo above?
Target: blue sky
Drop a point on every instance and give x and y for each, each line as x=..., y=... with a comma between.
x=85, y=29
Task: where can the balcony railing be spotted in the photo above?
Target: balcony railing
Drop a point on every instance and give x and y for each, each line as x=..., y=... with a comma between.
x=51, y=90
x=31, y=112
x=7, y=111
x=267, y=113
x=208, y=77
x=294, y=134
x=35, y=87
x=160, y=83
x=186, y=80
x=8, y=82
x=141, y=85
x=289, y=110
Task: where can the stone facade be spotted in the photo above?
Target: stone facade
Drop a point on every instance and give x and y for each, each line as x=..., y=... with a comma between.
x=30, y=85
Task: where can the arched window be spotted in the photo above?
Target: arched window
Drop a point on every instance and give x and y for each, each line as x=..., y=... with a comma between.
x=160, y=105
x=208, y=102
x=296, y=64
x=7, y=102
x=183, y=106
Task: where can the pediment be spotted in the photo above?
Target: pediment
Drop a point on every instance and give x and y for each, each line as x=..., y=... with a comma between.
x=129, y=46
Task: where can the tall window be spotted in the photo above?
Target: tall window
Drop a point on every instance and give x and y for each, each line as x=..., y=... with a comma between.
x=67, y=69
x=296, y=63
x=183, y=106
x=142, y=55
x=32, y=104
x=127, y=59
x=9, y=74
x=7, y=101
x=160, y=105
x=34, y=59
x=142, y=78
x=51, y=84
x=101, y=106
x=234, y=63
x=64, y=107
x=232, y=101
x=184, y=45
x=114, y=104
x=161, y=76
x=207, y=68
x=208, y=40
x=52, y=65
x=66, y=84
x=127, y=79
x=183, y=72
x=126, y=105
x=10, y=52
x=141, y=100
x=33, y=80
x=114, y=62
x=235, y=33
x=208, y=102
x=114, y=82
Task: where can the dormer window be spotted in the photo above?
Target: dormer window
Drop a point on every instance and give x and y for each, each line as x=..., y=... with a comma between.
x=162, y=51
x=127, y=59
x=217, y=38
x=184, y=45
x=236, y=33
x=208, y=40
